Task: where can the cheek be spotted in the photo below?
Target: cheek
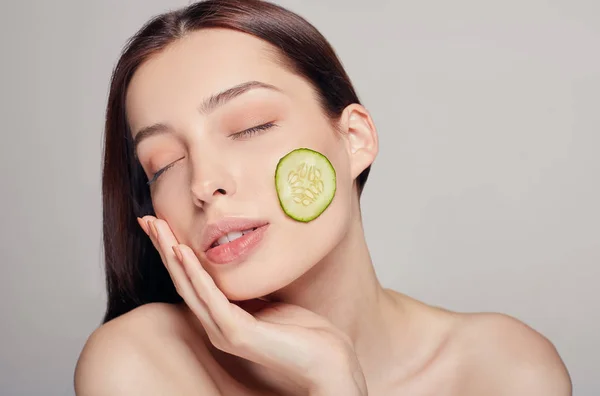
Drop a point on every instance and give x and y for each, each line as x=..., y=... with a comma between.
x=325, y=232
x=255, y=179
x=302, y=245
x=314, y=240
x=172, y=201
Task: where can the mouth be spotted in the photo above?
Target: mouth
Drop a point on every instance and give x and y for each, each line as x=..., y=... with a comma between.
x=236, y=246
x=230, y=237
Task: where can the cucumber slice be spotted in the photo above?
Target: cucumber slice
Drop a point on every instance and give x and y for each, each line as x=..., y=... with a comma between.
x=305, y=182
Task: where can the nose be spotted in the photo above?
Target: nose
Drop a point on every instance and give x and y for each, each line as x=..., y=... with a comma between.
x=211, y=180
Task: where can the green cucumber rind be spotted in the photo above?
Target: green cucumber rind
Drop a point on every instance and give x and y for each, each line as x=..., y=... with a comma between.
x=333, y=191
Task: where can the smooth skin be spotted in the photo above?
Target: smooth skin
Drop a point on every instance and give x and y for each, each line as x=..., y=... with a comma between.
x=314, y=318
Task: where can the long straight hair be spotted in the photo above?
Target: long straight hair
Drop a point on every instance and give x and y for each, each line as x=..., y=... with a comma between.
x=135, y=274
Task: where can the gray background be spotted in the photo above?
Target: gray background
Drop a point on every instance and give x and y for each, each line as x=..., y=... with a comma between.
x=484, y=197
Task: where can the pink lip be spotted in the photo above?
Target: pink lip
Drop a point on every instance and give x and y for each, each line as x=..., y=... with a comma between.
x=214, y=231
x=237, y=250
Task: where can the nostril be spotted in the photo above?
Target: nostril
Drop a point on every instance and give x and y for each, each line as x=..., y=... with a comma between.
x=221, y=191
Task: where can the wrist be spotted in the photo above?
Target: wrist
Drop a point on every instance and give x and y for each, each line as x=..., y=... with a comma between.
x=338, y=386
x=337, y=390
x=341, y=379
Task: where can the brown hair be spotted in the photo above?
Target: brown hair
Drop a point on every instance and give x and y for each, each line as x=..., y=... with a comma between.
x=135, y=274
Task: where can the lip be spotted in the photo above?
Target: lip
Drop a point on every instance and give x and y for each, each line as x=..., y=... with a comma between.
x=223, y=226
x=238, y=250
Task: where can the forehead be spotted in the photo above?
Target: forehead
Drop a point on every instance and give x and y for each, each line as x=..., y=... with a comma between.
x=201, y=64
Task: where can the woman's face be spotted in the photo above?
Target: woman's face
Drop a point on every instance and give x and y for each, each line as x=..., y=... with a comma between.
x=219, y=173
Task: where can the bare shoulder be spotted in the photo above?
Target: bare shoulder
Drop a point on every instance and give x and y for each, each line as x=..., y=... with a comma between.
x=503, y=356
x=141, y=352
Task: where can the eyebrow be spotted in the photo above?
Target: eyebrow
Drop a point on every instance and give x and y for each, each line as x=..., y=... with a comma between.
x=207, y=107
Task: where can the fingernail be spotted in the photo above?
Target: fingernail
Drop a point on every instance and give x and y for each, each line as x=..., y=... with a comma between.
x=178, y=253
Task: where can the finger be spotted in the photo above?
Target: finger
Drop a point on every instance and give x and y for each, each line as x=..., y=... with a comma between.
x=147, y=224
x=165, y=241
x=182, y=285
x=143, y=225
x=232, y=320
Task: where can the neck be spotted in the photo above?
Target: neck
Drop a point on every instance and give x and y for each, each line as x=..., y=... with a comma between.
x=344, y=288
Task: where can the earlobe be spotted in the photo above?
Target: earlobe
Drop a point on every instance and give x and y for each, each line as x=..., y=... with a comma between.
x=361, y=135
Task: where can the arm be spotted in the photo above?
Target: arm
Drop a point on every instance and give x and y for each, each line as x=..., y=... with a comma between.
x=344, y=376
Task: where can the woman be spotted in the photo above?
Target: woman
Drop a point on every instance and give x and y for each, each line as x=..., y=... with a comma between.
x=213, y=287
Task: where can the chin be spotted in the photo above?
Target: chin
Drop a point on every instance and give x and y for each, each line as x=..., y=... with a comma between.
x=246, y=290
x=252, y=279
x=269, y=270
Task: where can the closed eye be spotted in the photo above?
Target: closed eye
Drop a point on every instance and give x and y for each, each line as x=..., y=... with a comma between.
x=239, y=135
x=161, y=171
x=252, y=131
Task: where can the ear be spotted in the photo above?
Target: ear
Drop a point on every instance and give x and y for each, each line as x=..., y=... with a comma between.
x=361, y=136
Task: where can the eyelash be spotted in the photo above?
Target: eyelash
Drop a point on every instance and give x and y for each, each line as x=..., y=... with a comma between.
x=253, y=130
x=246, y=133
x=161, y=171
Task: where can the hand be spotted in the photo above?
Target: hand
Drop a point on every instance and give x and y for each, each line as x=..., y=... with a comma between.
x=286, y=338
